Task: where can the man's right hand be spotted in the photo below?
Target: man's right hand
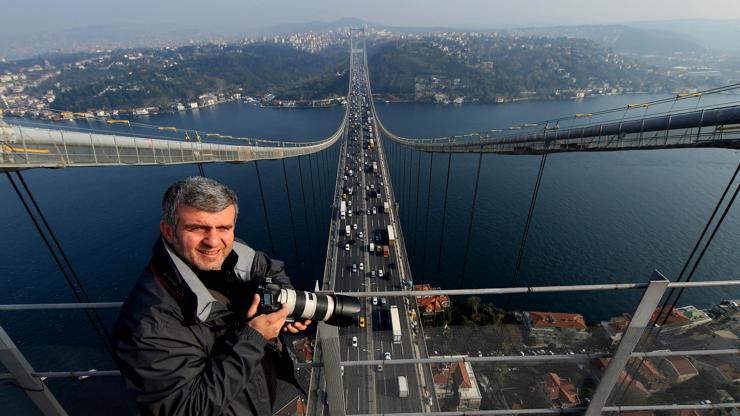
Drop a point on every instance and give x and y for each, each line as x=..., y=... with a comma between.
x=268, y=325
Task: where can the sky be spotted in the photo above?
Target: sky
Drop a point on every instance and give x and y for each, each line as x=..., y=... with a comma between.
x=24, y=16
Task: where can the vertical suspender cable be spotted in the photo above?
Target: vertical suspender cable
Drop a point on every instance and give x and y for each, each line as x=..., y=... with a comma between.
x=416, y=210
x=312, y=267
x=426, y=226
x=444, y=218
x=200, y=169
x=264, y=208
x=313, y=191
x=404, y=192
x=653, y=335
x=523, y=243
x=292, y=220
x=73, y=281
x=696, y=247
x=408, y=193
x=461, y=283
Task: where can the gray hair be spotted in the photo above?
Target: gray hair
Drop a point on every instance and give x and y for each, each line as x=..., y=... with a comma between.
x=197, y=192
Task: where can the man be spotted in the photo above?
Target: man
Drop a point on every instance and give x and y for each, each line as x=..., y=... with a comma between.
x=189, y=339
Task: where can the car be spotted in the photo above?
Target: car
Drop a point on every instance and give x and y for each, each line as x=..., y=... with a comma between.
x=372, y=273
x=360, y=235
x=375, y=210
x=379, y=368
x=354, y=342
x=369, y=212
x=362, y=322
x=341, y=369
x=383, y=301
x=349, y=203
x=387, y=355
x=354, y=267
x=346, y=247
x=380, y=272
x=375, y=301
x=349, y=214
x=362, y=266
x=354, y=226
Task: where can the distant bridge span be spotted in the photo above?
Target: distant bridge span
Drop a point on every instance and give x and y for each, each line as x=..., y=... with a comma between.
x=712, y=127
x=24, y=147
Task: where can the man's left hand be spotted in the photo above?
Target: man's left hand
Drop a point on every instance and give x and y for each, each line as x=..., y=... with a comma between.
x=296, y=327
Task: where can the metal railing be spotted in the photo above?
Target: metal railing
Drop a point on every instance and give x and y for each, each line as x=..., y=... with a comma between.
x=31, y=381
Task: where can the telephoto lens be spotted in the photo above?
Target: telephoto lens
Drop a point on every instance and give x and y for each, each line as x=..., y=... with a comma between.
x=337, y=310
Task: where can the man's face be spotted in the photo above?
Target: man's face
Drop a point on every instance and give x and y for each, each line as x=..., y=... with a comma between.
x=203, y=239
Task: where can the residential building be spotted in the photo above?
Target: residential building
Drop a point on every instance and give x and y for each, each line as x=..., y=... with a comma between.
x=555, y=327
x=458, y=376
x=677, y=369
x=431, y=308
x=560, y=392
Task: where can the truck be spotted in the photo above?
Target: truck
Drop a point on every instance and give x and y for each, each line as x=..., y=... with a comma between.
x=391, y=235
x=372, y=248
x=403, y=387
x=386, y=207
x=349, y=190
x=343, y=210
x=386, y=251
x=375, y=167
x=395, y=324
x=347, y=231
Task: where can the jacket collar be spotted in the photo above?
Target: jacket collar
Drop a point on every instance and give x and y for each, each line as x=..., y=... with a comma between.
x=190, y=292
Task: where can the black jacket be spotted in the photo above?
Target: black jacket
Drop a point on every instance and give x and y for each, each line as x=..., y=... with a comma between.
x=181, y=356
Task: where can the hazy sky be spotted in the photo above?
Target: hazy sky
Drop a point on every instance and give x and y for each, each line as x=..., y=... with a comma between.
x=51, y=15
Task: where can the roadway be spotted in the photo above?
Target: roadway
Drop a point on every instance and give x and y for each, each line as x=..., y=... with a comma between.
x=370, y=389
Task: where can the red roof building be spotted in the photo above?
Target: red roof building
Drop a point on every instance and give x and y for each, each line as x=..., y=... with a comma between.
x=678, y=369
x=431, y=307
x=560, y=392
x=549, y=327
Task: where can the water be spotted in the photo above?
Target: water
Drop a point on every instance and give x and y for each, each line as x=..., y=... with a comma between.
x=600, y=217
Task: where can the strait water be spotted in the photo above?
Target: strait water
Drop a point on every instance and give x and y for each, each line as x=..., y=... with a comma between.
x=599, y=218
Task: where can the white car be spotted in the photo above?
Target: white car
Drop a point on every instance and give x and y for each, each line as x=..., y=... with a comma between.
x=360, y=235
x=354, y=226
x=375, y=210
x=346, y=247
x=349, y=203
x=354, y=342
x=375, y=301
x=387, y=355
x=380, y=272
x=362, y=266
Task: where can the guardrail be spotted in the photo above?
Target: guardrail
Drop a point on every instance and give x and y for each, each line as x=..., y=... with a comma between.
x=30, y=380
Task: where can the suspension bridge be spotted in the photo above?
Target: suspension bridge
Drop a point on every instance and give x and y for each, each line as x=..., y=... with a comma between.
x=359, y=370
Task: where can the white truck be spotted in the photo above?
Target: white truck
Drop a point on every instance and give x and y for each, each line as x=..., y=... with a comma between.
x=372, y=248
x=403, y=387
x=395, y=324
x=386, y=207
x=391, y=236
x=347, y=231
x=343, y=210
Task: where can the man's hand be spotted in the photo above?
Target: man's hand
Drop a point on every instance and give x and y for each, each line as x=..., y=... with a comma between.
x=296, y=327
x=268, y=325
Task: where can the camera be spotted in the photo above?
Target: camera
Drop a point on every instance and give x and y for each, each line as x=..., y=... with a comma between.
x=337, y=310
